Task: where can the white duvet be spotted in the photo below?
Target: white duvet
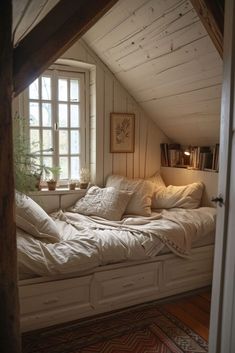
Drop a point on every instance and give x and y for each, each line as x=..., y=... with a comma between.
x=88, y=242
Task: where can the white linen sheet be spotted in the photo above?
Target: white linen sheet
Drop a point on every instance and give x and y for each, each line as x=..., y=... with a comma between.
x=88, y=242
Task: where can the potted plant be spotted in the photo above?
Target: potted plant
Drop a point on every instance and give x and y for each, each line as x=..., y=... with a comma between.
x=27, y=168
x=72, y=184
x=52, y=182
x=84, y=178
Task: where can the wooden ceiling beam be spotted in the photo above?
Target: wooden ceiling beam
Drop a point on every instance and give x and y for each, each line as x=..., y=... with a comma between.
x=211, y=13
x=51, y=37
x=9, y=303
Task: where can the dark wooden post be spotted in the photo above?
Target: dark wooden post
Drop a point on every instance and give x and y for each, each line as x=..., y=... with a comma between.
x=9, y=307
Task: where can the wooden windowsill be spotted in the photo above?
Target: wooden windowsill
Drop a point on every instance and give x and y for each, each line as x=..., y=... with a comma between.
x=59, y=191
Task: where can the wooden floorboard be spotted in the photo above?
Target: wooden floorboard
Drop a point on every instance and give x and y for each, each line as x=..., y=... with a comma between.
x=201, y=303
x=191, y=309
x=206, y=295
x=194, y=311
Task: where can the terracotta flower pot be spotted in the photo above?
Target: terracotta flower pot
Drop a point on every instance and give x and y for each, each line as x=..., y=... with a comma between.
x=72, y=186
x=51, y=184
x=83, y=185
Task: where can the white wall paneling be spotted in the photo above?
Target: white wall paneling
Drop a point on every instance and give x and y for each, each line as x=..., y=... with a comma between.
x=108, y=95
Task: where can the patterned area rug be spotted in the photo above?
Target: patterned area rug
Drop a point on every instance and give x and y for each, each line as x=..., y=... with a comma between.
x=145, y=329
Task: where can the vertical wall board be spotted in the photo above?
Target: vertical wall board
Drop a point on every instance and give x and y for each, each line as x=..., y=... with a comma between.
x=137, y=143
x=100, y=111
x=143, y=143
x=152, y=158
x=108, y=108
x=130, y=156
x=119, y=159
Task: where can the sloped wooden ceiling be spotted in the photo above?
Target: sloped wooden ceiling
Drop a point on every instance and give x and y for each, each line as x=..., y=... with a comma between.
x=162, y=54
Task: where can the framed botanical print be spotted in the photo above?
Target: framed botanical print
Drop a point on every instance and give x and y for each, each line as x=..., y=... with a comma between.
x=122, y=133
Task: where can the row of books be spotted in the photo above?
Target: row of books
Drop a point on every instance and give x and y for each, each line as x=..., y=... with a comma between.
x=199, y=157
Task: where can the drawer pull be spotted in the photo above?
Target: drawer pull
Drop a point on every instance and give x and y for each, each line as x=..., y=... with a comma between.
x=51, y=301
x=128, y=285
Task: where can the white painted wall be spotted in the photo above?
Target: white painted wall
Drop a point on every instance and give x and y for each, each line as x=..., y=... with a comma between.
x=108, y=95
x=182, y=176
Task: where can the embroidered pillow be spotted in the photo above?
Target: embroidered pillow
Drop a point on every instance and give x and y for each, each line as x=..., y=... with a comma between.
x=187, y=196
x=34, y=220
x=108, y=203
x=142, y=190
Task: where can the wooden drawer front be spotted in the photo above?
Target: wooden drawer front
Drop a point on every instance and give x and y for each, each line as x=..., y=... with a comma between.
x=124, y=284
x=179, y=271
x=46, y=296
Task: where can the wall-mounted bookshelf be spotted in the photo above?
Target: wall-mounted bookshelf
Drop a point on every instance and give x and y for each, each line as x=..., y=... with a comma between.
x=200, y=158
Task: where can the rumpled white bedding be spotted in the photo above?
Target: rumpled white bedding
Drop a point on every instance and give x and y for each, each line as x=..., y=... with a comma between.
x=88, y=242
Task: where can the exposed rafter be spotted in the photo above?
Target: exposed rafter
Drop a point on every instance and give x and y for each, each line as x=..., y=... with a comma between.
x=211, y=13
x=9, y=306
x=47, y=41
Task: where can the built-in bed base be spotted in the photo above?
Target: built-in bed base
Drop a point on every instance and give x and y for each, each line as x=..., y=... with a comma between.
x=48, y=302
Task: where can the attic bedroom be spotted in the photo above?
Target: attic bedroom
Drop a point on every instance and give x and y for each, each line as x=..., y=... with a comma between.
x=116, y=147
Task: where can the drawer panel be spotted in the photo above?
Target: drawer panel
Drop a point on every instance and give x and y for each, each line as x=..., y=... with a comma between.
x=124, y=284
x=46, y=296
x=179, y=271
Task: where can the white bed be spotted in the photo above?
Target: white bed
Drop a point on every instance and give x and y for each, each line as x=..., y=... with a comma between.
x=98, y=267
x=101, y=265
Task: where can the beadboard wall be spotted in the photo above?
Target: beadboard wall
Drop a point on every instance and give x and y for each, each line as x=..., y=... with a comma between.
x=108, y=95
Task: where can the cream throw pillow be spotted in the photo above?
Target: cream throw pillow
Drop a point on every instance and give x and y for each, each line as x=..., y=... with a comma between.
x=140, y=203
x=107, y=203
x=157, y=180
x=187, y=196
x=34, y=220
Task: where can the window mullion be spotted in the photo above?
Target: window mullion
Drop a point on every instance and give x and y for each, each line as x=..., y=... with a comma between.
x=55, y=108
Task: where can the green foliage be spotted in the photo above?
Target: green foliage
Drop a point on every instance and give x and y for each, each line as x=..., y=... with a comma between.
x=55, y=171
x=27, y=166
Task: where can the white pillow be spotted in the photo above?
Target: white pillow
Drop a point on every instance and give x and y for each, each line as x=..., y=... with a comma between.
x=107, y=203
x=140, y=203
x=157, y=180
x=187, y=196
x=34, y=220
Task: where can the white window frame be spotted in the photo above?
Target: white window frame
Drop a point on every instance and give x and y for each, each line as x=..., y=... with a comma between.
x=56, y=72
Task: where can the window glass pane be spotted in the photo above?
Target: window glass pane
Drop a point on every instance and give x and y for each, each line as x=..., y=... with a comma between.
x=47, y=140
x=64, y=168
x=34, y=140
x=75, y=167
x=46, y=114
x=34, y=90
x=74, y=91
x=34, y=114
x=63, y=115
x=74, y=115
x=63, y=142
x=63, y=89
x=74, y=141
x=46, y=88
x=47, y=161
x=36, y=162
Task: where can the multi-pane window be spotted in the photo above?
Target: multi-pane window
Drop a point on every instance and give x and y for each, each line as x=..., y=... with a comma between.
x=55, y=103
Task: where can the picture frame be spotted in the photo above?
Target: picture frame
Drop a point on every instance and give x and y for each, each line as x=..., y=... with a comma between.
x=122, y=133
